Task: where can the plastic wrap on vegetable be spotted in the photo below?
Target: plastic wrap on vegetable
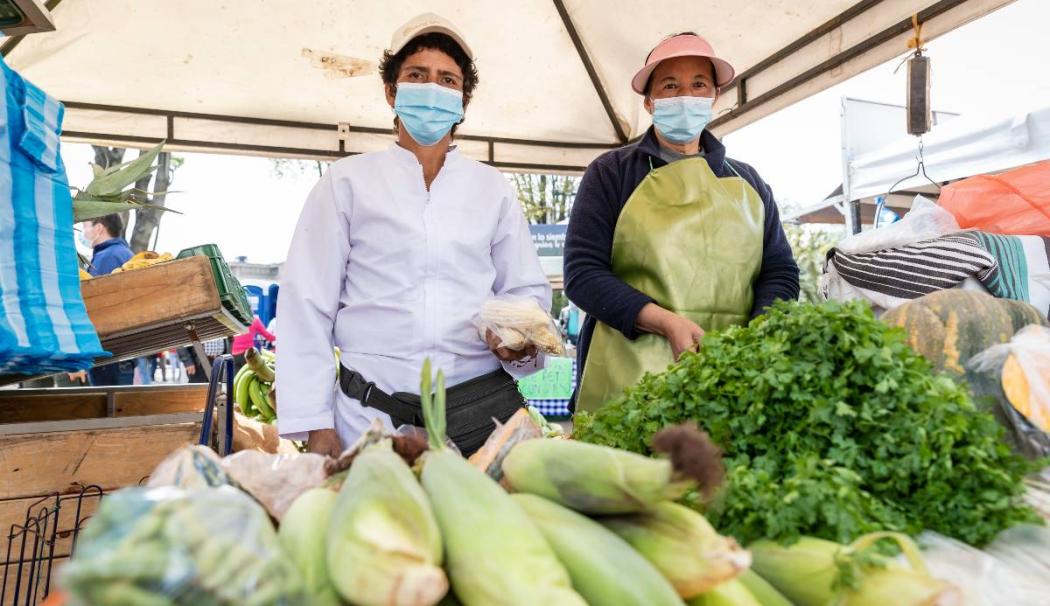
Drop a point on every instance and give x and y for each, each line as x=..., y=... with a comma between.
x=1025, y=363
x=276, y=480
x=210, y=546
x=519, y=427
x=519, y=322
x=1013, y=381
x=983, y=578
x=190, y=467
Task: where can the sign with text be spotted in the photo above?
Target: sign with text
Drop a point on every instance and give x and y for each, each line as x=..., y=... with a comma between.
x=549, y=239
x=554, y=382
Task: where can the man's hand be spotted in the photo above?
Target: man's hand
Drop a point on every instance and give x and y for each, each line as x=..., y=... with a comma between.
x=682, y=333
x=77, y=377
x=191, y=370
x=324, y=442
x=507, y=355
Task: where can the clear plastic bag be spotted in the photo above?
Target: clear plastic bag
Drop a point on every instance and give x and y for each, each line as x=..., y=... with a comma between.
x=519, y=322
x=925, y=221
x=276, y=480
x=210, y=546
x=985, y=577
x=1024, y=365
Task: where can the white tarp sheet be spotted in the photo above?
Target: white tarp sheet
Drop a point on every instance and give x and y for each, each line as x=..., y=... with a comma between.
x=234, y=75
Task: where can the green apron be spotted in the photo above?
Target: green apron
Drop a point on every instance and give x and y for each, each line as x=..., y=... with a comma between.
x=691, y=241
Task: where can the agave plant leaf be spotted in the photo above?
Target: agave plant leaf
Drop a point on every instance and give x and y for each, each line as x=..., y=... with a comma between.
x=116, y=178
x=85, y=209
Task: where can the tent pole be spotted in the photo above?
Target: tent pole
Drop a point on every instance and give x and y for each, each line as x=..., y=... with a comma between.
x=589, y=66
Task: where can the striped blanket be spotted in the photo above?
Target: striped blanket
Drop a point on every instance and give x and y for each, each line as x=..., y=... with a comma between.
x=1008, y=267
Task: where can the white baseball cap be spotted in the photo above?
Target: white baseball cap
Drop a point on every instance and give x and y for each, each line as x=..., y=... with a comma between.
x=427, y=23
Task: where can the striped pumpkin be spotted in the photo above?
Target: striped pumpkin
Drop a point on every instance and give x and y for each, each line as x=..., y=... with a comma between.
x=948, y=327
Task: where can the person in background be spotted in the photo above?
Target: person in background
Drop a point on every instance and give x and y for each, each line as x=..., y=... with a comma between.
x=241, y=343
x=108, y=252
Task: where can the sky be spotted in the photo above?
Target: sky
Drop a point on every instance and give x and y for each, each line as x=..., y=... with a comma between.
x=991, y=67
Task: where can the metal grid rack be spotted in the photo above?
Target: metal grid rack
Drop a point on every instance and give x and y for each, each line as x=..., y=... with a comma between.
x=47, y=535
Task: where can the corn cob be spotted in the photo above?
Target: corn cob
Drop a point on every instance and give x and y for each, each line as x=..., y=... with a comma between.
x=495, y=554
x=764, y=593
x=729, y=593
x=809, y=573
x=601, y=480
x=605, y=570
x=683, y=546
x=384, y=547
x=524, y=315
x=303, y=534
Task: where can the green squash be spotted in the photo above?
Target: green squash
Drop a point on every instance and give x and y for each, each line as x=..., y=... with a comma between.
x=948, y=327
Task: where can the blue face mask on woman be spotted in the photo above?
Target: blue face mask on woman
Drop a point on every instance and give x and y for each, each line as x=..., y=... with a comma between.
x=428, y=111
x=682, y=119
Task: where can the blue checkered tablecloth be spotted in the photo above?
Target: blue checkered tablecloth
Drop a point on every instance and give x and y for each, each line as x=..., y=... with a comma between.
x=555, y=408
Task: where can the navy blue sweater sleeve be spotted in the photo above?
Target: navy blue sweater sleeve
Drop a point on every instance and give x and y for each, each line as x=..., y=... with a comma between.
x=778, y=278
x=589, y=280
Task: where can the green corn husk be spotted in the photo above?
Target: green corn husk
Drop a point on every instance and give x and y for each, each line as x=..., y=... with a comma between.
x=815, y=572
x=495, y=554
x=384, y=546
x=303, y=534
x=764, y=593
x=730, y=593
x=589, y=478
x=604, y=568
x=683, y=546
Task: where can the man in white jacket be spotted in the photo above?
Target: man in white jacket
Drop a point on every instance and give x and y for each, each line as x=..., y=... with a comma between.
x=393, y=255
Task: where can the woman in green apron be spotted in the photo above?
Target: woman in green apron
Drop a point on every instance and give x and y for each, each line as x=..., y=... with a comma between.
x=668, y=237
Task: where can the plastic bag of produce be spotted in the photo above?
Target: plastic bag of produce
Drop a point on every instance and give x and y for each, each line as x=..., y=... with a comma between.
x=1025, y=374
x=276, y=480
x=190, y=467
x=984, y=578
x=519, y=322
x=209, y=546
x=518, y=428
x=925, y=221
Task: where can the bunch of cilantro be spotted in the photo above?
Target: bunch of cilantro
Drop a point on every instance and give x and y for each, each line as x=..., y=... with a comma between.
x=832, y=427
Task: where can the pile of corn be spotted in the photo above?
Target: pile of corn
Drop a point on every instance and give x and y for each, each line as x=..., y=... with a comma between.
x=568, y=523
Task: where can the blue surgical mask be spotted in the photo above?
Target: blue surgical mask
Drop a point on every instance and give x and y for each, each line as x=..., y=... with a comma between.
x=428, y=111
x=682, y=119
x=84, y=240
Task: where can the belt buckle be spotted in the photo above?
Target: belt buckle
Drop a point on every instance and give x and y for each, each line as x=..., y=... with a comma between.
x=368, y=391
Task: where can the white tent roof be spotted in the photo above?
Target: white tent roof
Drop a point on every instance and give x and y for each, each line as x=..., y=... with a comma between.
x=233, y=75
x=957, y=149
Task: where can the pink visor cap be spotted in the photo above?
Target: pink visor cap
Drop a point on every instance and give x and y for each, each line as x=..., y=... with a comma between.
x=685, y=45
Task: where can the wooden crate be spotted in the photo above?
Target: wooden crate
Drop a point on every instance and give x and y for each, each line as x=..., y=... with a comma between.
x=149, y=310
x=52, y=440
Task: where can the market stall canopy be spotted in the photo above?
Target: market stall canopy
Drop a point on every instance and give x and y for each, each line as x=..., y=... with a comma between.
x=298, y=79
x=957, y=149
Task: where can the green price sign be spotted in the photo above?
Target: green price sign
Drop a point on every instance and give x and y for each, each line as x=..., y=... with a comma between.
x=555, y=382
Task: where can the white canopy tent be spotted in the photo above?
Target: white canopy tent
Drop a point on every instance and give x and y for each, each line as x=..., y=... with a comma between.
x=287, y=78
x=957, y=149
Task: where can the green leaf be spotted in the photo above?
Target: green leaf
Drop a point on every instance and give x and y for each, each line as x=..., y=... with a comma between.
x=115, y=178
x=85, y=209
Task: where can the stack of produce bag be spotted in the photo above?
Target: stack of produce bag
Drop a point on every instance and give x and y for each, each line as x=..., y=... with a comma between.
x=44, y=327
x=172, y=546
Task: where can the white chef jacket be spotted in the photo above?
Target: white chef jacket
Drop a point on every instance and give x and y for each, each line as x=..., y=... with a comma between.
x=393, y=274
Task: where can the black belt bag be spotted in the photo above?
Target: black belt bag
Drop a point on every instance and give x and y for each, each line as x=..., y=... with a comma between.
x=469, y=409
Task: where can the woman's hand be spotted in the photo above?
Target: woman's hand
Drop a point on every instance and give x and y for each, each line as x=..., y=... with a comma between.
x=682, y=333
x=324, y=442
x=507, y=355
